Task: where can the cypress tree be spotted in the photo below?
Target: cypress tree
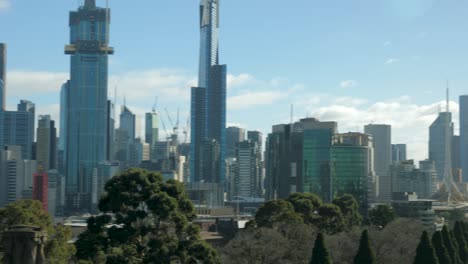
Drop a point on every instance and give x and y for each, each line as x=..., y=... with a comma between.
x=451, y=246
x=439, y=247
x=320, y=253
x=460, y=238
x=365, y=255
x=425, y=253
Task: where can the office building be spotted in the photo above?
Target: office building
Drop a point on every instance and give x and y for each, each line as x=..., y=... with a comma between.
x=46, y=156
x=382, y=138
x=152, y=132
x=234, y=135
x=398, y=152
x=110, y=130
x=406, y=178
x=297, y=159
x=441, y=134
x=40, y=188
x=18, y=128
x=352, y=169
x=128, y=123
x=463, y=103
x=86, y=102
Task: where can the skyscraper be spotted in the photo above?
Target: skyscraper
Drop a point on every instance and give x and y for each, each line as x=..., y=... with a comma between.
x=464, y=136
x=152, y=131
x=46, y=144
x=2, y=75
x=18, y=128
x=438, y=138
x=234, y=135
x=398, y=152
x=208, y=104
x=86, y=136
x=382, y=138
x=128, y=123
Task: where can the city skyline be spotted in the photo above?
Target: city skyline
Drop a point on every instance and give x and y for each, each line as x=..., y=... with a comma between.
x=345, y=98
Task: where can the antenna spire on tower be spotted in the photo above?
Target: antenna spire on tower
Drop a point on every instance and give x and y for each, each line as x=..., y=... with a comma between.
x=448, y=104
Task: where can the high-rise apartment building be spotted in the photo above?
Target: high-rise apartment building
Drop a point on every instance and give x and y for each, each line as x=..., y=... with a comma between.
x=46, y=156
x=247, y=179
x=464, y=136
x=208, y=104
x=234, y=135
x=382, y=143
x=438, y=140
x=86, y=102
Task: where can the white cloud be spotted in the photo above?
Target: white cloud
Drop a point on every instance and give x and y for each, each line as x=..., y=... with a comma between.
x=392, y=61
x=238, y=80
x=252, y=99
x=26, y=83
x=348, y=84
x=5, y=5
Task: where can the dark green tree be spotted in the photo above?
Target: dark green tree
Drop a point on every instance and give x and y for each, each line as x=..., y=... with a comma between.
x=381, y=215
x=30, y=212
x=331, y=219
x=365, y=254
x=277, y=212
x=320, y=253
x=425, y=253
x=458, y=234
x=451, y=245
x=307, y=205
x=144, y=220
x=349, y=207
x=440, y=249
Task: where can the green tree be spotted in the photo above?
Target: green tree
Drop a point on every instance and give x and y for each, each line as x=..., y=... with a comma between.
x=365, y=254
x=277, y=212
x=320, y=253
x=458, y=233
x=349, y=207
x=151, y=223
x=440, y=249
x=381, y=215
x=307, y=205
x=331, y=219
x=451, y=245
x=30, y=212
x=425, y=253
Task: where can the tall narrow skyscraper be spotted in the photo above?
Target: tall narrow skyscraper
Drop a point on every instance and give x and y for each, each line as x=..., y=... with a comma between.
x=208, y=104
x=441, y=134
x=2, y=75
x=86, y=136
x=152, y=131
x=464, y=136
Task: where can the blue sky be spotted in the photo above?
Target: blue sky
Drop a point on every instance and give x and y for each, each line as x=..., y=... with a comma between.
x=354, y=62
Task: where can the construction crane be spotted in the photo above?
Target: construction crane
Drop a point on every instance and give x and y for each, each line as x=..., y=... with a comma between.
x=168, y=136
x=155, y=103
x=186, y=129
x=175, y=126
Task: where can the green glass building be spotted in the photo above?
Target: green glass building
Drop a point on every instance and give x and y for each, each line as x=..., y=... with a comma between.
x=351, y=168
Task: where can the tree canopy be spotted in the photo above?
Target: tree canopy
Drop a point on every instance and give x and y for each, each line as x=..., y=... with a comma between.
x=320, y=253
x=144, y=220
x=381, y=215
x=425, y=253
x=30, y=212
x=365, y=254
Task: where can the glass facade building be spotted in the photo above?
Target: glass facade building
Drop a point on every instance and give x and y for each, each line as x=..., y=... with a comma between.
x=2, y=76
x=439, y=151
x=18, y=128
x=152, y=132
x=86, y=131
x=463, y=103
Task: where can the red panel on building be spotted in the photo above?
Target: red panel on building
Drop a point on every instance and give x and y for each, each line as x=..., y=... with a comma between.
x=40, y=186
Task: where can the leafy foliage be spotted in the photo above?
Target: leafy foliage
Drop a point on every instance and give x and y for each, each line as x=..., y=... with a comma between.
x=425, y=253
x=349, y=207
x=144, y=220
x=381, y=215
x=277, y=212
x=320, y=253
x=365, y=255
x=30, y=212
